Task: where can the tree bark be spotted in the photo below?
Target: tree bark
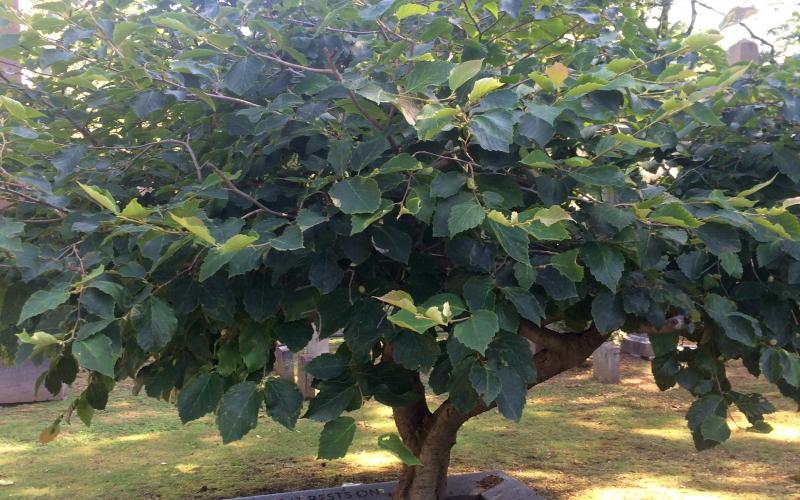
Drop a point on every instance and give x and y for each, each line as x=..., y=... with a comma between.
x=431, y=438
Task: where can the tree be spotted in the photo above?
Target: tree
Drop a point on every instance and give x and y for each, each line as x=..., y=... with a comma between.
x=442, y=181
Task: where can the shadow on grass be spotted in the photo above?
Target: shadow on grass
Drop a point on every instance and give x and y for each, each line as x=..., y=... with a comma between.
x=577, y=439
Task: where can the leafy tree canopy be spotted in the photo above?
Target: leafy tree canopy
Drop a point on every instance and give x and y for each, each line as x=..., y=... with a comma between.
x=193, y=182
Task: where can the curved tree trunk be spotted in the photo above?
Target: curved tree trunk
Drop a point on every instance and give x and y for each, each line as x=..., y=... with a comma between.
x=430, y=437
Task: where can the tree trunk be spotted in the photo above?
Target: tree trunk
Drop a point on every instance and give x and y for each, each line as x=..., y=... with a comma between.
x=431, y=442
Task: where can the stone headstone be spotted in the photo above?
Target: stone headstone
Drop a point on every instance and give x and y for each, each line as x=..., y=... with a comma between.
x=316, y=346
x=743, y=50
x=494, y=485
x=304, y=379
x=18, y=384
x=284, y=363
x=637, y=345
x=605, y=363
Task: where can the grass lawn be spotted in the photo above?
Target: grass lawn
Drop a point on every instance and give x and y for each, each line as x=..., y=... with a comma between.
x=577, y=439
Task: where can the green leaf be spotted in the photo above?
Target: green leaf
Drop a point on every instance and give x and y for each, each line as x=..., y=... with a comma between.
x=336, y=437
x=196, y=227
x=675, y=214
x=238, y=411
x=527, y=305
x=168, y=22
x=427, y=73
x=511, y=399
x=601, y=175
x=391, y=442
x=399, y=298
x=719, y=238
x=295, y=334
x=483, y=87
x=446, y=184
x=155, y=323
x=261, y=299
x=715, y=428
x=412, y=321
x=732, y=264
x=567, y=265
x=392, y=243
x=465, y=216
x=213, y=262
x=513, y=240
x=356, y=195
x=333, y=398
x=607, y=312
x=409, y=10
x=699, y=40
x=703, y=114
x=133, y=210
x=326, y=366
x=200, y=396
x=622, y=64
x=605, y=263
x=96, y=354
x=290, y=239
x=123, y=30
x=494, y=130
x=243, y=75
x=464, y=72
x=485, y=381
x=148, y=102
x=416, y=352
x=477, y=331
x=538, y=159
x=237, y=243
x=284, y=402
x=359, y=222
x=14, y=108
x=102, y=198
x=42, y=301
x=255, y=343
x=434, y=119
x=549, y=216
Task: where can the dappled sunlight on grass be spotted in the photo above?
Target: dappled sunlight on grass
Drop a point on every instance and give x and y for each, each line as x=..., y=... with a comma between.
x=577, y=439
x=372, y=459
x=187, y=468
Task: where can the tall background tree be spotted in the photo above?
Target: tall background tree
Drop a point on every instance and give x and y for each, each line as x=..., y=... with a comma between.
x=194, y=182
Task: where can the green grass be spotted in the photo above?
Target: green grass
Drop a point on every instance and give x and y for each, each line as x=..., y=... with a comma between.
x=577, y=439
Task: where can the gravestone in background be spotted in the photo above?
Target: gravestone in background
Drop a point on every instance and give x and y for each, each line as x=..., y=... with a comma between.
x=605, y=363
x=17, y=384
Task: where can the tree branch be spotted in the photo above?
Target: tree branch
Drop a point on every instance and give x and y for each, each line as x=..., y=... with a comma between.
x=232, y=187
x=354, y=99
x=288, y=64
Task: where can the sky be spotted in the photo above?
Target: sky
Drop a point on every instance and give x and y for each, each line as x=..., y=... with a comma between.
x=771, y=13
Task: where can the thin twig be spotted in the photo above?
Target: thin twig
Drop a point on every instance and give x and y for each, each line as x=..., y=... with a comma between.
x=288, y=64
x=472, y=18
x=232, y=187
x=544, y=46
x=694, y=18
x=743, y=25
x=354, y=99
